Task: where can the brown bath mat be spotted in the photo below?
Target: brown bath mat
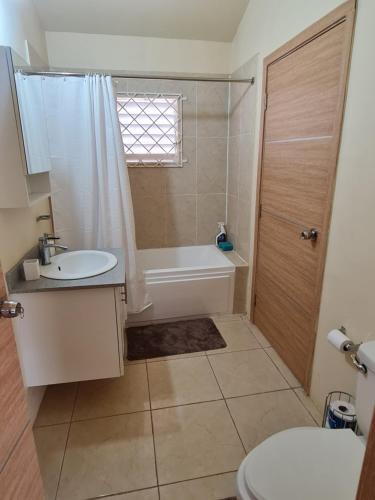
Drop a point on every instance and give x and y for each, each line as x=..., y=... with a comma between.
x=169, y=339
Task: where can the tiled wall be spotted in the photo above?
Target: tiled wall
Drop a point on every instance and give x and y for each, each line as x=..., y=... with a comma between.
x=181, y=206
x=241, y=158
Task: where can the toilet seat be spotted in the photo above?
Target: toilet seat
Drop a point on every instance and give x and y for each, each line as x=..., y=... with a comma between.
x=303, y=463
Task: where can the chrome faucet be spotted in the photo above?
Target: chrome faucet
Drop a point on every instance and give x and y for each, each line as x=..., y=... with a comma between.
x=45, y=247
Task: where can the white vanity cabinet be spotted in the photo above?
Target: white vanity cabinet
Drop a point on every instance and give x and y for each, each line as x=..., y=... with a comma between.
x=71, y=335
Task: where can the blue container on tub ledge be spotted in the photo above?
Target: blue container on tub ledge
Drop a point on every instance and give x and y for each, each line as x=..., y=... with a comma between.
x=226, y=246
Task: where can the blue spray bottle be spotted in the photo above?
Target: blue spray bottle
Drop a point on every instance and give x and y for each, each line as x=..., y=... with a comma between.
x=222, y=236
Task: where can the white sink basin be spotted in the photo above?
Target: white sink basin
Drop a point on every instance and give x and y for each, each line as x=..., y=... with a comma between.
x=78, y=265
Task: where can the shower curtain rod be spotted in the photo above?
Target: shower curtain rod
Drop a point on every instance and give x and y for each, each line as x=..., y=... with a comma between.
x=251, y=81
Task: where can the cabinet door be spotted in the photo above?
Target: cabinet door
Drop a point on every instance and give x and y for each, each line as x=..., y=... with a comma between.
x=121, y=312
x=70, y=335
x=13, y=191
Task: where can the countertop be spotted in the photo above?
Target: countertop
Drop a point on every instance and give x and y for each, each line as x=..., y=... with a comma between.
x=113, y=278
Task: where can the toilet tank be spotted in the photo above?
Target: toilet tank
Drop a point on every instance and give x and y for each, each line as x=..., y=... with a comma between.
x=365, y=393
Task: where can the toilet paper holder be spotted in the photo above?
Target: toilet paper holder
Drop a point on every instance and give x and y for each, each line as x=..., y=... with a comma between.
x=351, y=350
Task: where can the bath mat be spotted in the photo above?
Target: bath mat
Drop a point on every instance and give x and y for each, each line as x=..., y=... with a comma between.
x=169, y=339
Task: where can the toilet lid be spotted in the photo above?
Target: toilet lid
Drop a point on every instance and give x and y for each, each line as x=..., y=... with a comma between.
x=306, y=463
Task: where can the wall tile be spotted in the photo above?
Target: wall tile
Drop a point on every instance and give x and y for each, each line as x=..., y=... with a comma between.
x=233, y=164
x=183, y=180
x=212, y=165
x=147, y=181
x=211, y=210
x=246, y=163
x=212, y=109
x=243, y=237
x=248, y=110
x=232, y=219
x=236, y=93
x=240, y=290
x=181, y=220
x=149, y=215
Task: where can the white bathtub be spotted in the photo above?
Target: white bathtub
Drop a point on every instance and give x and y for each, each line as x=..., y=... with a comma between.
x=186, y=281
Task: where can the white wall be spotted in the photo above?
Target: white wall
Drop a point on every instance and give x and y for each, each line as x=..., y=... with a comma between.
x=19, y=22
x=137, y=54
x=267, y=24
x=349, y=280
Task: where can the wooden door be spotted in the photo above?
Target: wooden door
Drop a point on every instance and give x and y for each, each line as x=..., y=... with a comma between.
x=304, y=92
x=19, y=470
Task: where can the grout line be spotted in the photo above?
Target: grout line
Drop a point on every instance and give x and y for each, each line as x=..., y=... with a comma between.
x=124, y=492
x=200, y=477
x=226, y=404
x=153, y=434
x=258, y=393
x=187, y=404
x=67, y=439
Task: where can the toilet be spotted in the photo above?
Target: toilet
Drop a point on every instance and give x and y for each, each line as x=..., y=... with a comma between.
x=307, y=463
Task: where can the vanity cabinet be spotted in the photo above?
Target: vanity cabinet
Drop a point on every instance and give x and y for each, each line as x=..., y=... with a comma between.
x=18, y=188
x=71, y=335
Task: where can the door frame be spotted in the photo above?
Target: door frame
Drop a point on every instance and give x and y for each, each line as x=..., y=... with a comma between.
x=343, y=13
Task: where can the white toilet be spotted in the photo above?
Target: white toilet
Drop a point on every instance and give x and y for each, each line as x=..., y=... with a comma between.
x=307, y=463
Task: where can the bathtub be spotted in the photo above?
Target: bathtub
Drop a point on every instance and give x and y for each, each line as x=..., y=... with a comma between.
x=186, y=281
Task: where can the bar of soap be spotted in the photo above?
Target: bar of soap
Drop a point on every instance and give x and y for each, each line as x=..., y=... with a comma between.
x=226, y=246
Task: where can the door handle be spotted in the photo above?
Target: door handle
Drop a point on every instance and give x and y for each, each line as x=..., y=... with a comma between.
x=309, y=234
x=10, y=309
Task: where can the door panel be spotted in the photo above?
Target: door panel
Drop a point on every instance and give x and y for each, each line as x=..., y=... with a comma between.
x=19, y=470
x=303, y=89
x=305, y=83
x=20, y=479
x=13, y=417
x=288, y=261
x=284, y=323
x=295, y=180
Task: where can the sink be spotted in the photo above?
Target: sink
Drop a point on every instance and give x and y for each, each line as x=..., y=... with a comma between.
x=79, y=264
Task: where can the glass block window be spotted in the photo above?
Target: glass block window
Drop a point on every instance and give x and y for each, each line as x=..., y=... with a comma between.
x=151, y=127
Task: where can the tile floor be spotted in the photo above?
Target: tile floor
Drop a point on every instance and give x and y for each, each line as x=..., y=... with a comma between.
x=171, y=428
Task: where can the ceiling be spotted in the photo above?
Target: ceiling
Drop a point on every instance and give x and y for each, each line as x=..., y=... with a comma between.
x=215, y=20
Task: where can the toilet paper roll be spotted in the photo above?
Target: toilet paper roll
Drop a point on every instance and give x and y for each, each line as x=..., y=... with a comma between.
x=339, y=340
x=341, y=415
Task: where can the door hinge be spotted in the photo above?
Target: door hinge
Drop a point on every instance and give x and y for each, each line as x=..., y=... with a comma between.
x=260, y=210
x=265, y=101
x=255, y=300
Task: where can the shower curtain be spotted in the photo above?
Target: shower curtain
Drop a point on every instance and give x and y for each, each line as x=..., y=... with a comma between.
x=91, y=196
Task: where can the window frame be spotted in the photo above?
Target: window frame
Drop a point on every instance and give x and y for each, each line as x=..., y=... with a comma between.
x=152, y=160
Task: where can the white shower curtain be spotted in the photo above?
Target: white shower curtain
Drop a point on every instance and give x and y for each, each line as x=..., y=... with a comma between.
x=91, y=195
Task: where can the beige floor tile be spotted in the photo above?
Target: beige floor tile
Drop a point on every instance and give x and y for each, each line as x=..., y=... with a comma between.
x=50, y=444
x=309, y=405
x=150, y=494
x=263, y=341
x=246, y=372
x=258, y=417
x=177, y=356
x=108, y=455
x=195, y=441
x=287, y=374
x=237, y=336
x=207, y=488
x=57, y=405
x=182, y=381
x=106, y=397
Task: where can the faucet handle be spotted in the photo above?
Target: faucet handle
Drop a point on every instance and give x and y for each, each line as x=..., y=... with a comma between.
x=47, y=236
